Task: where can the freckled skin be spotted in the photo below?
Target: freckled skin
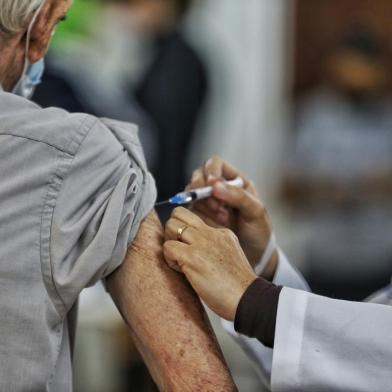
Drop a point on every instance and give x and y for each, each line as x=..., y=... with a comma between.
x=211, y=259
x=166, y=319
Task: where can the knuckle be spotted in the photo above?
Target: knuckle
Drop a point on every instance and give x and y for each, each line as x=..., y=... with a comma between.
x=177, y=212
x=196, y=175
x=227, y=234
x=233, y=237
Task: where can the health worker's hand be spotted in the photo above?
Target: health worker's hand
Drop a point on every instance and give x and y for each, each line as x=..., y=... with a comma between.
x=211, y=259
x=239, y=210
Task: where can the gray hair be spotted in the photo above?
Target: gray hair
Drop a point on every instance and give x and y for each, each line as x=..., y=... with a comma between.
x=15, y=14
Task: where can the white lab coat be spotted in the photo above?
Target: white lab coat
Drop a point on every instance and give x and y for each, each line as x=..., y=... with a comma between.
x=323, y=344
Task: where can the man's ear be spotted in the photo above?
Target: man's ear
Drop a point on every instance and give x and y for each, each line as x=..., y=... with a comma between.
x=41, y=34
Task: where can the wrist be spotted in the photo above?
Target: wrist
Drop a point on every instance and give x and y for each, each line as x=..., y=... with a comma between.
x=257, y=311
x=269, y=271
x=239, y=292
x=266, y=267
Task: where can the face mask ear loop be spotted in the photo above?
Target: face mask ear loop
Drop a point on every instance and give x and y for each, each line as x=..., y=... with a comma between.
x=28, y=34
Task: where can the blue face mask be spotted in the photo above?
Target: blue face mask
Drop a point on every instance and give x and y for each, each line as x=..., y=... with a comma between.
x=32, y=73
x=30, y=79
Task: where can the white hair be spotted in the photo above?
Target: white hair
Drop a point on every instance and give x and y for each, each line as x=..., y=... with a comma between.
x=15, y=14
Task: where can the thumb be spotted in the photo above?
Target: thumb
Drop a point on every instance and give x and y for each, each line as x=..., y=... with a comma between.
x=247, y=204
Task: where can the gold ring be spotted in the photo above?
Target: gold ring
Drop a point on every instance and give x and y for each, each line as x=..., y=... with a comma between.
x=180, y=232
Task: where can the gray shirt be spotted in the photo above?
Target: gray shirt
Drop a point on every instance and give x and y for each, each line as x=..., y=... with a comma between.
x=73, y=192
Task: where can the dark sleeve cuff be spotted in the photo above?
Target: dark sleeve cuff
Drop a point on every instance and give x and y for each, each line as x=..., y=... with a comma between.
x=257, y=311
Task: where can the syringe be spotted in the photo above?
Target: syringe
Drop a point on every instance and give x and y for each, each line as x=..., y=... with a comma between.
x=198, y=194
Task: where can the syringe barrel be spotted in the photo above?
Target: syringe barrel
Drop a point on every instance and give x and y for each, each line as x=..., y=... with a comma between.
x=204, y=193
x=201, y=193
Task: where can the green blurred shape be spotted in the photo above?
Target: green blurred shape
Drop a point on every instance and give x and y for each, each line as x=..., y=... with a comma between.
x=81, y=19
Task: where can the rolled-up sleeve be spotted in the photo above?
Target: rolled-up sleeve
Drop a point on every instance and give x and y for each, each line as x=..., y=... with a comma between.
x=102, y=201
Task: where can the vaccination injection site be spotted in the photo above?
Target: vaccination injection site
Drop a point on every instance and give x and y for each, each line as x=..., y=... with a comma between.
x=195, y=195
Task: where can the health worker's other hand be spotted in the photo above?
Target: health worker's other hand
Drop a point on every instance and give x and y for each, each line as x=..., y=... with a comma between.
x=211, y=259
x=239, y=210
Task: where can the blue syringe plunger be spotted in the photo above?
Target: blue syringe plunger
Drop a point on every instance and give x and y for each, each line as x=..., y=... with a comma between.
x=181, y=198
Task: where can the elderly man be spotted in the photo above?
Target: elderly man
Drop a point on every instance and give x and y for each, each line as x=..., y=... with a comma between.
x=319, y=344
x=74, y=193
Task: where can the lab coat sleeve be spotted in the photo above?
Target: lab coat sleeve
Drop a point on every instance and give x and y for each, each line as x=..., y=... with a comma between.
x=261, y=356
x=287, y=275
x=330, y=345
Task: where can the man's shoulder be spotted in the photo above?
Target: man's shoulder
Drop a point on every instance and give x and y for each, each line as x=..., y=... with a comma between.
x=51, y=126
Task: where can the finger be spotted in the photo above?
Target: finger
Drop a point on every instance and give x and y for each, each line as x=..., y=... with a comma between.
x=174, y=252
x=223, y=217
x=247, y=204
x=174, y=266
x=211, y=204
x=250, y=187
x=208, y=218
x=204, y=208
x=187, y=217
x=214, y=204
x=197, y=180
x=189, y=235
x=220, y=218
x=209, y=221
x=216, y=168
x=208, y=206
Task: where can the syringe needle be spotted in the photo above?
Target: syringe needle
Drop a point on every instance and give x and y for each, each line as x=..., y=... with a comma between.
x=162, y=203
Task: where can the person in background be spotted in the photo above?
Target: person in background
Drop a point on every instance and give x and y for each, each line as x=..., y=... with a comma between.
x=172, y=89
x=340, y=178
x=305, y=342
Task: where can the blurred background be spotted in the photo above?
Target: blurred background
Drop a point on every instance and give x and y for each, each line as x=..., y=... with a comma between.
x=296, y=93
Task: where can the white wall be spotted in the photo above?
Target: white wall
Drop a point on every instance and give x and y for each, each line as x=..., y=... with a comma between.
x=245, y=44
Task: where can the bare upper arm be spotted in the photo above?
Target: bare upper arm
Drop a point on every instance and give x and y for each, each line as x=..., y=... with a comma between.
x=166, y=318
